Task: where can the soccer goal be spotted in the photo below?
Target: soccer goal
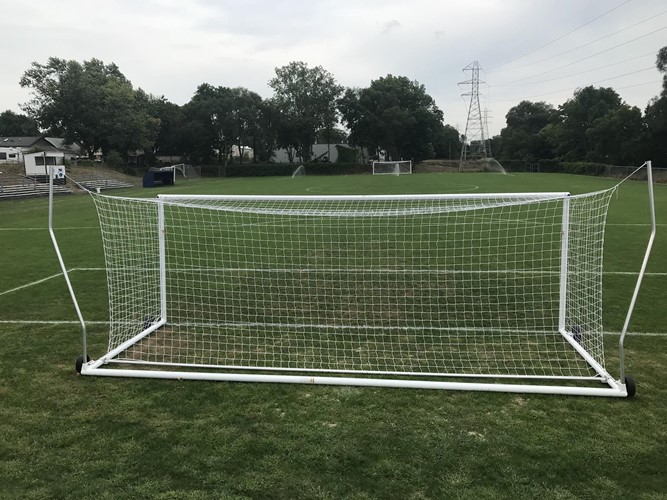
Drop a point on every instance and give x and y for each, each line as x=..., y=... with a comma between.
x=491, y=292
x=392, y=167
x=186, y=170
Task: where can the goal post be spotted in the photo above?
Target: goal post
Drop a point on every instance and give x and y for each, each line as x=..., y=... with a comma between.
x=401, y=167
x=490, y=292
x=184, y=169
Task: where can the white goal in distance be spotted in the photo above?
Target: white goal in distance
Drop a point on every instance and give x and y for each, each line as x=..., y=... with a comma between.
x=392, y=167
x=491, y=292
x=186, y=170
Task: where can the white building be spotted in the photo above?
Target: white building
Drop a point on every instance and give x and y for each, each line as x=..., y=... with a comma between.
x=321, y=152
x=13, y=149
x=36, y=164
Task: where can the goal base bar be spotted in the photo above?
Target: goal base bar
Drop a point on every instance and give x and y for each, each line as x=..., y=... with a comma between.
x=614, y=389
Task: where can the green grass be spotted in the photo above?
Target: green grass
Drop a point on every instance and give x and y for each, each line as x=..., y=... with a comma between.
x=65, y=435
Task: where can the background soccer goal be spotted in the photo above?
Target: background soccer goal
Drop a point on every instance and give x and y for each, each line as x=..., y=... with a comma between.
x=184, y=169
x=392, y=167
x=494, y=292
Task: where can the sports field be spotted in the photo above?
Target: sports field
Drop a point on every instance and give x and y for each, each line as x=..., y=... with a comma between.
x=63, y=434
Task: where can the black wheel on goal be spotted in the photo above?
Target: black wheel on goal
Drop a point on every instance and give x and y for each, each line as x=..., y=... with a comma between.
x=79, y=363
x=630, y=386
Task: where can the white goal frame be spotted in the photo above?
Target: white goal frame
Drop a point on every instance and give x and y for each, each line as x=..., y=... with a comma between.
x=186, y=170
x=399, y=167
x=490, y=382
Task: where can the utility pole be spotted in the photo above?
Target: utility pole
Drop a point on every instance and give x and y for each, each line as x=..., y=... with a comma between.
x=474, y=140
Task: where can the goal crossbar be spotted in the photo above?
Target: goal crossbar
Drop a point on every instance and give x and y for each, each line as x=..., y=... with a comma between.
x=490, y=292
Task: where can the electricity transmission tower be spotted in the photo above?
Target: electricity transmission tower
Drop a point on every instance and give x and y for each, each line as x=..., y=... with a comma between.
x=474, y=140
x=487, y=115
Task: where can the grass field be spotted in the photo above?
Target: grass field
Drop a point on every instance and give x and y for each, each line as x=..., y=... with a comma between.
x=66, y=435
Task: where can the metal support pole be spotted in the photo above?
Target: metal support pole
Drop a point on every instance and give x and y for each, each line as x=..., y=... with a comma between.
x=162, y=260
x=649, y=178
x=564, y=251
x=64, y=269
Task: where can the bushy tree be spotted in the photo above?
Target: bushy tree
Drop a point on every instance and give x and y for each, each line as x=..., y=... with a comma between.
x=447, y=143
x=90, y=103
x=170, y=135
x=596, y=125
x=521, y=138
x=306, y=99
x=394, y=114
x=218, y=118
x=17, y=125
x=265, y=136
x=656, y=118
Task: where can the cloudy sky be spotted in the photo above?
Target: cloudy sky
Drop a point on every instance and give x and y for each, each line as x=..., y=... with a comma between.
x=540, y=50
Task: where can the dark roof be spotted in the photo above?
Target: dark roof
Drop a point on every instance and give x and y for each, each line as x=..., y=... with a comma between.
x=18, y=142
x=43, y=142
x=61, y=145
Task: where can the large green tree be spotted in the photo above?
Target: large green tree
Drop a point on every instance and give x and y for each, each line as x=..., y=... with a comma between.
x=394, y=114
x=656, y=118
x=521, y=138
x=169, y=140
x=447, y=143
x=265, y=135
x=218, y=118
x=90, y=103
x=306, y=98
x=596, y=125
x=17, y=125
x=208, y=127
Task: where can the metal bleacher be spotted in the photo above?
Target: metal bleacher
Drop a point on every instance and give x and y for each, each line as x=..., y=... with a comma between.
x=96, y=179
x=13, y=184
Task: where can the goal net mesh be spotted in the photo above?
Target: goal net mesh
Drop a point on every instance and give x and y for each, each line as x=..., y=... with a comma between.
x=464, y=286
x=392, y=167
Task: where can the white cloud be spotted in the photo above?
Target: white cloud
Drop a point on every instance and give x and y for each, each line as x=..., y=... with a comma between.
x=168, y=47
x=390, y=25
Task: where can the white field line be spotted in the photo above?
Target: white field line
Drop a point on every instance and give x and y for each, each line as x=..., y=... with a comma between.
x=633, y=224
x=30, y=284
x=73, y=322
x=46, y=228
x=48, y=322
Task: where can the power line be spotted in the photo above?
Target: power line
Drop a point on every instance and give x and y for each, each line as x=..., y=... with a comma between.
x=575, y=74
x=586, y=85
x=585, y=58
x=656, y=82
x=563, y=36
x=639, y=85
x=585, y=44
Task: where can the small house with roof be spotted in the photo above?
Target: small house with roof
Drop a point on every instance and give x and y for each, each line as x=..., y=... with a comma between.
x=13, y=149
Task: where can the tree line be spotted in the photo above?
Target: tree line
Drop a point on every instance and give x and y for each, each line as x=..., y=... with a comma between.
x=595, y=125
x=94, y=105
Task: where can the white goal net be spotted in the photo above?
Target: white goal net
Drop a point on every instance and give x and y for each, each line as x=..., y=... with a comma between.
x=392, y=167
x=426, y=286
x=183, y=169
